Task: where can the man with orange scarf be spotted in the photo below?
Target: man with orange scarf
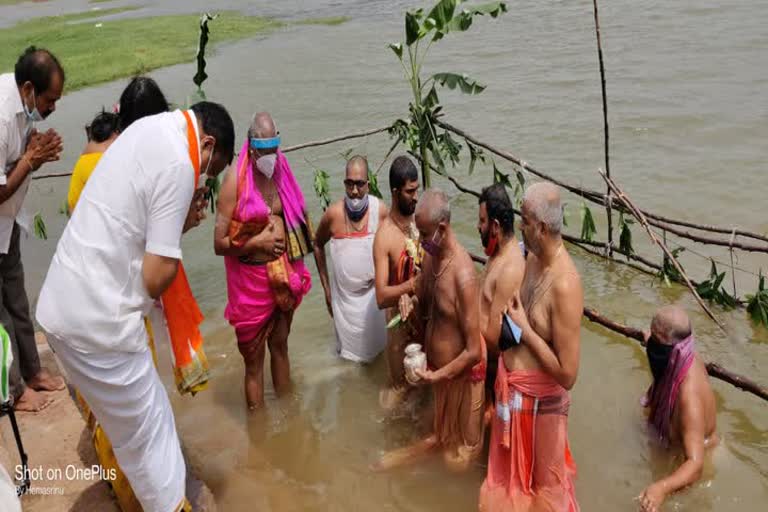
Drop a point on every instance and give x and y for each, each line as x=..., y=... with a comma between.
x=530, y=467
x=119, y=253
x=263, y=231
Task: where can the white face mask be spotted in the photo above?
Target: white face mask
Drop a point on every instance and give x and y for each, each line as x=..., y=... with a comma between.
x=266, y=165
x=33, y=115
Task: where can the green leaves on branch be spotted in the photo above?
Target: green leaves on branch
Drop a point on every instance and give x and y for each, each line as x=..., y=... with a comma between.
x=625, y=236
x=463, y=82
x=669, y=272
x=322, y=188
x=712, y=291
x=418, y=133
x=39, y=227
x=201, y=75
x=588, y=229
x=443, y=18
x=373, y=185
x=475, y=154
x=212, y=194
x=757, y=304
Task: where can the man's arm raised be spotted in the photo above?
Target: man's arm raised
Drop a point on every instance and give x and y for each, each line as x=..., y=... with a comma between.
x=387, y=296
x=692, y=425
x=322, y=236
x=561, y=361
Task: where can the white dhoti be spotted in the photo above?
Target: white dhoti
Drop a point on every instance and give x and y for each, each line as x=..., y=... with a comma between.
x=128, y=399
x=359, y=323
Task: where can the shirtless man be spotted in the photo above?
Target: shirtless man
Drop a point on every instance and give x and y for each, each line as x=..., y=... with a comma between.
x=453, y=343
x=504, y=269
x=397, y=258
x=691, y=415
x=534, y=377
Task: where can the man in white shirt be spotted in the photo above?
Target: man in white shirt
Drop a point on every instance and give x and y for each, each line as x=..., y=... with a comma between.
x=26, y=96
x=119, y=252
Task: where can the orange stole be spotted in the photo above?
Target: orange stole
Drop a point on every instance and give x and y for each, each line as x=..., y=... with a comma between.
x=182, y=314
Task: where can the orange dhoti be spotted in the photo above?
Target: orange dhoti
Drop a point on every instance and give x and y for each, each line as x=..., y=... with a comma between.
x=530, y=467
x=459, y=410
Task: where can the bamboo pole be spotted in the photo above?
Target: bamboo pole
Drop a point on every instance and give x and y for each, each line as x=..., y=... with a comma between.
x=599, y=198
x=609, y=201
x=644, y=222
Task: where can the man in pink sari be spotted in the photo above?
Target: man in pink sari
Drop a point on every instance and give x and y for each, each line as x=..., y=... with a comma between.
x=263, y=232
x=680, y=401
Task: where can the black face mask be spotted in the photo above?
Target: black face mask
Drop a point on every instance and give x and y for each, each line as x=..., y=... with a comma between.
x=658, y=357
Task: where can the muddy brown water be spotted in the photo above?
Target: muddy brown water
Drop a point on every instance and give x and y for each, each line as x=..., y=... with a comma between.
x=689, y=120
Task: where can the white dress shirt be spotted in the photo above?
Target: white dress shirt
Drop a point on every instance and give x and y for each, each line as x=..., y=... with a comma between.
x=136, y=201
x=14, y=128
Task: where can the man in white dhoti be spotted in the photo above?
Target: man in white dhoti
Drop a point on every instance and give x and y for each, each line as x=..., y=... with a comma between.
x=120, y=252
x=350, y=225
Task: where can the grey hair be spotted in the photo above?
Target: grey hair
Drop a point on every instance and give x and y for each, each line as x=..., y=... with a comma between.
x=262, y=126
x=434, y=202
x=544, y=203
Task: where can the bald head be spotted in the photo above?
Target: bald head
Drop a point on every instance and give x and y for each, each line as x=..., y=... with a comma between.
x=433, y=207
x=262, y=126
x=357, y=168
x=671, y=325
x=542, y=202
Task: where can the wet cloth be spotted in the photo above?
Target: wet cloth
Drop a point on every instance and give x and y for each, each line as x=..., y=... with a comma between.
x=530, y=467
x=255, y=291
x=459, y=408
x=662, y=395
x=129, y=401
x=80, y=174
x=359, y=323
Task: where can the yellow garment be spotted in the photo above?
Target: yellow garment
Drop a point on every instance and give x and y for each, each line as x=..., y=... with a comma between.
x=80, y=174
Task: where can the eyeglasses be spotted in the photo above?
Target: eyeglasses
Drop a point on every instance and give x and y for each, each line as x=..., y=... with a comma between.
x=355, y=183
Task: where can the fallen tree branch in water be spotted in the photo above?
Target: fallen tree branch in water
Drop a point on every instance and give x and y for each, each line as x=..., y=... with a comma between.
x=621, y=196
x=334, y=139
x=601, y=199
x=713, y=369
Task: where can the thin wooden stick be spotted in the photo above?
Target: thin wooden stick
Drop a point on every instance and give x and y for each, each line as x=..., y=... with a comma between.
x=609, y=201
x=600, y=198
x=644, y=222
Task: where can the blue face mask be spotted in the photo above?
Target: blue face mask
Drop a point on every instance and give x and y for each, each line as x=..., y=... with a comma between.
x=34, y=115
x=356, y=207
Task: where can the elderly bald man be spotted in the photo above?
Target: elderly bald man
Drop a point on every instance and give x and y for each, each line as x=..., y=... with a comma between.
x=350, y=226
x=530, y=466
x=680, y=401
x=449, y=295
x=263, y=231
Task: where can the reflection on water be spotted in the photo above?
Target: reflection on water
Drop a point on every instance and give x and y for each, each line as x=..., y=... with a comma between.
x=687, y=97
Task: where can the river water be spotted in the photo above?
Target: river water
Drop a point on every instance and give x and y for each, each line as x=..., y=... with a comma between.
x=689, y=119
